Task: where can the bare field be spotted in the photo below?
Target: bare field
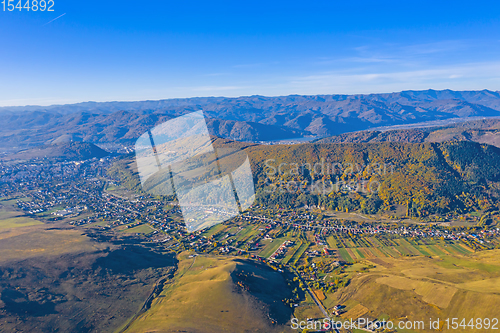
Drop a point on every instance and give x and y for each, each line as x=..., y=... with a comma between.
x=35, y=241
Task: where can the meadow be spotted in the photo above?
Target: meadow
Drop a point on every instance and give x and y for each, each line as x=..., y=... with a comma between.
x=12, y=218
x=422, y=287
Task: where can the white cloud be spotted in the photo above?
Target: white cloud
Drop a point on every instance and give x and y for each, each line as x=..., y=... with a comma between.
x=460, y=77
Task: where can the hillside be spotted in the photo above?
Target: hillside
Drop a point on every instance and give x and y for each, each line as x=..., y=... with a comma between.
x=482, y=131
x=66, y=151
x=425, y=178
x=254, y=118
x=224, y=295
x=419, y=288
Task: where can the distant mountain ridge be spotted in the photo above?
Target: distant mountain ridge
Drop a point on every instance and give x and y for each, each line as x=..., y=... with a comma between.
x=253, y=118
x=35, y=128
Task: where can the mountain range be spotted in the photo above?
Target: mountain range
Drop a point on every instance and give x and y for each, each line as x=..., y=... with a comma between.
x=253, y=118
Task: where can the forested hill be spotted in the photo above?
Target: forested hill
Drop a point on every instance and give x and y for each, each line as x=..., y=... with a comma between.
x=426, y=178
x=482, y=131
x=66, y=151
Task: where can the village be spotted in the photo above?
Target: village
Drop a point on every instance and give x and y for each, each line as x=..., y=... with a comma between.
x=320, y=249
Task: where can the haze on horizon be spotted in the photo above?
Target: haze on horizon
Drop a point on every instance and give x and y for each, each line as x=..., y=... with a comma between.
x=128, y=52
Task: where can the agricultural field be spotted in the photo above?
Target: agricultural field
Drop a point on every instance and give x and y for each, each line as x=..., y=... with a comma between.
x=66, y=282
x=27, y=242
x=62, y=279
x=352, y=250
x=299, y=252
x=419, y=288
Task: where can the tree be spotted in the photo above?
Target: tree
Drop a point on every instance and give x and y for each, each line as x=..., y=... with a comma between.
x=372, y=204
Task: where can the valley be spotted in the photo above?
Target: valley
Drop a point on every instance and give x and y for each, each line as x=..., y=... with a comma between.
x=87, y=240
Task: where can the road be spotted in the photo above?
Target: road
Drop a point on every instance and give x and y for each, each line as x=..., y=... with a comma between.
x=276, y=250
x=111, y=203
x=313, y=295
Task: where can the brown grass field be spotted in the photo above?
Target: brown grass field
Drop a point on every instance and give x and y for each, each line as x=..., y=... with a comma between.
x=419, y=288
x=23, y=237
x=204, y=297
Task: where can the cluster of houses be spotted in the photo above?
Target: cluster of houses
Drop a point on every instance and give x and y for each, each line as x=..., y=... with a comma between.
x=281, y=250
x=74, y=211
x=338, y=310
x=33, y=176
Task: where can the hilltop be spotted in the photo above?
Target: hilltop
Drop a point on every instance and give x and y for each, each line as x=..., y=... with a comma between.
x=216, y=294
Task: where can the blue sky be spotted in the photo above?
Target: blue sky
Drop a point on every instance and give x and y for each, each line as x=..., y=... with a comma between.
x=131, y=50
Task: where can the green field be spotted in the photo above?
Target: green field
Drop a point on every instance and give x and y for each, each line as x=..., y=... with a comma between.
x=331, y=242
x=248, y=231
x=358, y=253
x=97, y=224
x=271, y=247
x=11, y=218
x=289, y=254
x=299, y=252
x=142, y=229
x=359, y=248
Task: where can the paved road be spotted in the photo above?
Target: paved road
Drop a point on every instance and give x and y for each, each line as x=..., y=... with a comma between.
x=313, y=295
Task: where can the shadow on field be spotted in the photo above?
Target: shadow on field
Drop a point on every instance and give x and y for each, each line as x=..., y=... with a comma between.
x=18, y=303
x=130, y=259
x=267, y=286
x=94, y=291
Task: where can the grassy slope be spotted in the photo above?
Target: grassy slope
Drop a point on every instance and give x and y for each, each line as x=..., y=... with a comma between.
x=205, y=298
x=423, y=288
x=142, y=229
